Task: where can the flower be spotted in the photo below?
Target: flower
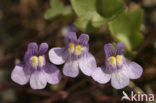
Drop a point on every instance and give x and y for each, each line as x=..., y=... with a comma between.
x=116, y=68
x=75, y=56
x=35, y=68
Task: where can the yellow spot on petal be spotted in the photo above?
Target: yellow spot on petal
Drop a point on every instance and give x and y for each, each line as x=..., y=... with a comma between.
x=112, y=61
x=71, y=47
x=78, y=49
x=119, y=59
x=34, y=61
x=41, y=61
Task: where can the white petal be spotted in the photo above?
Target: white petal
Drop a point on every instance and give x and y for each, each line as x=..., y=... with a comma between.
x=133, y=70
x=87, y=64
x=19, y=76
x=71, y=68
x=38, y=80
x=100, y=76
x=119, y=80
x=57, y=55
x=52, y=73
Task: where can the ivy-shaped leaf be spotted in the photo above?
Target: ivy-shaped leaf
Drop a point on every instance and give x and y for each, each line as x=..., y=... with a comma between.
x=91, y=17
x=126, y=28
x=57, y=9
x=109, y=8
x=84, y=7
x=85, y=25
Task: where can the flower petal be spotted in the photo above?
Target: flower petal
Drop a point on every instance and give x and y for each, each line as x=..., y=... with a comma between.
x=133, y=70
x=100, y=76
x=58, y=55
x=109, y=50
x=38, y=80
x=119, y=80
x=72, y=36
x=53, y=74
x=120, y=48
x=71, y=68
x=87, y=64
x=43, y=48
x=19, y=76
x=83, y=39
x=32, y=49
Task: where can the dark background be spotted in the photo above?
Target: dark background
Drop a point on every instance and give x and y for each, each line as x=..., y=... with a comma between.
x=22, y=21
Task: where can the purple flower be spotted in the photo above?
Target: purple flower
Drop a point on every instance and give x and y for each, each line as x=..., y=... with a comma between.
x=116, y=68
x=75, y=56
x=35, y=68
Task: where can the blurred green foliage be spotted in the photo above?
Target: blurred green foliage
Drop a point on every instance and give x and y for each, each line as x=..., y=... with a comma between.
x=92, y=14
x=126, y=28
x=109, y=8
x=57, y=9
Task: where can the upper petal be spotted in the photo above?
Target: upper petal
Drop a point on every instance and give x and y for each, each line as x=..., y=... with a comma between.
x=120, y=48
x=58, y=55
x=19, y=76
x=43, y=48
x=133, y=70
x=109, y=50
x=38, y=80
x=32, y=49
x=72, y=36
x=119, y=80
x=53, y=74
x=83, y=39
x=71, y=68
x=100, y=76
x=87, y=64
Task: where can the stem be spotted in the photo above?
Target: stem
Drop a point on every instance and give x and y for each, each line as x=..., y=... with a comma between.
x=64, y=83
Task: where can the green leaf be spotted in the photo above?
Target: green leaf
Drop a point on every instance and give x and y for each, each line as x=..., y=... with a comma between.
x=89, y=17
x=126, y=28
x=51, y=13
x=57, y=9
x=85, y=25
x=85, y=10
x=97, y=21
x=109, y=8
x=56, y=4
x=83, y=7
x=67, y=10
